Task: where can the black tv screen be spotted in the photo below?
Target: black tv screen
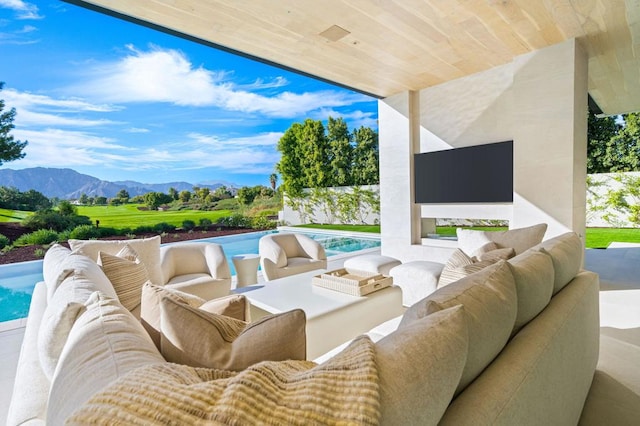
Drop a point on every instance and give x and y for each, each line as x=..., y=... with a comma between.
x=473, y=174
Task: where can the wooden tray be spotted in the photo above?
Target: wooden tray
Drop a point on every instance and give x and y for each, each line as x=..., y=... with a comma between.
x=349, y=281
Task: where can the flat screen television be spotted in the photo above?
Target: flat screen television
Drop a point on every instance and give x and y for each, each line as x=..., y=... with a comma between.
x=473, y=174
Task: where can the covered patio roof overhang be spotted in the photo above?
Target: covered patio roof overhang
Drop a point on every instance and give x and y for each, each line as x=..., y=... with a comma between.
x=448, y=74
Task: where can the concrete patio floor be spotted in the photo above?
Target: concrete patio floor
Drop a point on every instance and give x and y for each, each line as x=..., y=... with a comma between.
x=615, y=392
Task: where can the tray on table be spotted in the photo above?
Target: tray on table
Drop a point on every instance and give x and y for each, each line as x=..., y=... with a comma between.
x=353, y=282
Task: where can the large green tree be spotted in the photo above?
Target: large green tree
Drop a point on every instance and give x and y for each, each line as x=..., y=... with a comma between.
x=601, y=131
x=314, y=160
x=623, y=151
x=366, y=170
x=290, y=164
x=340, y=153
x=10, y=149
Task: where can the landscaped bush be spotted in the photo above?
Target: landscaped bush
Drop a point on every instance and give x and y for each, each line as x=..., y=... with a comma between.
x=40, y=237
x=4, y=241
x=204, y=222
x=235, y=221
x=188, y=224
x=143, y=229
x=85, y=232
x=261, y=222
x=49, y=219
x=164, y=227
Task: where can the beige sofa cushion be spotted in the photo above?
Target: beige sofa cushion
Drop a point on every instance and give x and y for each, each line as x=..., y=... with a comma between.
x=520, y=239
x=148, y=250
x=202, y=339
x=566, y=252
x=105, y=343
x=420, y=366
x=234, y=306
x=534, y=276
x=126, y=273
x=460, y=265
x=490, y=302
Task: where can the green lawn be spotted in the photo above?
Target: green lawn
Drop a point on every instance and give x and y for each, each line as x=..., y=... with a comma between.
x=596, y=237
x=12, y=215
x=128, y=216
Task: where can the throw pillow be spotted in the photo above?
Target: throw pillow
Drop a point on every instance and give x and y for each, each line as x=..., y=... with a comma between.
x=234, y=306
x=495, y=255
x=150, y=306
x=459, y=266
x=520, y=239
x=341, y=391
x=490, y=303
x=201, y=339
x=420, y=366
x=148, y=250
x=126, y=273
x=105, y=343
x=54, y=268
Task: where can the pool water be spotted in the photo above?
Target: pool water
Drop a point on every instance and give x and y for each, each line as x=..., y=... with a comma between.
x=17, y=280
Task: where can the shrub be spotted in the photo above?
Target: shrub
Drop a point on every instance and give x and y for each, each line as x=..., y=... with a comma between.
x=39, y=252
x=204, y=222
x=85, y=232
x=261, y=222
x=235, y=221
x=40, y=237
x=49, y=219
x=188, y=224
x=143, y=229
x=4, y=241
x=164, y=227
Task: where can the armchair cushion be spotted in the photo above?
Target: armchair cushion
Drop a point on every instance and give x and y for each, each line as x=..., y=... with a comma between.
x=287, y=254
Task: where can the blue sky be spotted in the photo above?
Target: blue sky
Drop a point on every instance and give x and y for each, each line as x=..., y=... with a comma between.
x=119, y=101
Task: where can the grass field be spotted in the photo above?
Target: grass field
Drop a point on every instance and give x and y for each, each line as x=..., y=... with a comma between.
x=596, y=237
x=128, y=216
x=12, y=215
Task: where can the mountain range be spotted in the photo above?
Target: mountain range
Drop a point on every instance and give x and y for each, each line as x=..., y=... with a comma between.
x=69, y=184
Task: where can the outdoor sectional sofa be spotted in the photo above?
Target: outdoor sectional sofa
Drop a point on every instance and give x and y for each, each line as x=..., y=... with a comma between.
x=516, y=343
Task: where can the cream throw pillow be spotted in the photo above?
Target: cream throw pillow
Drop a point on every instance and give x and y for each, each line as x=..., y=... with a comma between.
x=126, y=273
x=490, y=303
x=420, y=366
x=566, y=252
x=201, y=339
x=105, y=343
x=54, y=268
x=460, y=265
x=520, y=239
x=234, y=306
x=148, y=250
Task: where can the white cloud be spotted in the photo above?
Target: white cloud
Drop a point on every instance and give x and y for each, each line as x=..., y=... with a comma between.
x=39, y=110
x=137, y=130
x=164, y=75
x=355, y=119
x=23, y=9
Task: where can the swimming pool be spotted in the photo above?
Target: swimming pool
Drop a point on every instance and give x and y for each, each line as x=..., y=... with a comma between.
x=17, y=280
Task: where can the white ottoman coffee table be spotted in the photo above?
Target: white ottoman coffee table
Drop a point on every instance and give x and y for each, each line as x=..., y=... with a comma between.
x=372, y=263
x=417, y=279
x=332, y=317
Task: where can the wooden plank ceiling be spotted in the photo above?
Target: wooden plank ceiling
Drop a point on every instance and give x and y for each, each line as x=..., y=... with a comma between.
x=387, y=46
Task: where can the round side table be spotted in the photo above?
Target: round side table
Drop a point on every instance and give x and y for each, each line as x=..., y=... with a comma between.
x=246, y=269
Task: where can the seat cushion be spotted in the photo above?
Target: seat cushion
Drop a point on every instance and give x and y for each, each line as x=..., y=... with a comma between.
x=198, y=338
x=372, y=263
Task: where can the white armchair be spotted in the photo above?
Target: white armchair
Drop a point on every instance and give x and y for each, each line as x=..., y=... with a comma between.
x=287, y=254
x=197, y=268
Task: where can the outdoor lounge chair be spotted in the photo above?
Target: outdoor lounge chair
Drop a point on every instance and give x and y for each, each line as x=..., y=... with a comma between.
x=286, y=254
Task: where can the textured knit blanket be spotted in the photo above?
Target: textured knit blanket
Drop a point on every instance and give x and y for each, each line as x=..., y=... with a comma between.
x=344, y=390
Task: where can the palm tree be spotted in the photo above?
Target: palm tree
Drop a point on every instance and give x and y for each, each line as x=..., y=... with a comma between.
x=273, y=179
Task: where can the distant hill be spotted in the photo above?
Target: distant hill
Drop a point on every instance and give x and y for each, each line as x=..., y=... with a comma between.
x=69, y=184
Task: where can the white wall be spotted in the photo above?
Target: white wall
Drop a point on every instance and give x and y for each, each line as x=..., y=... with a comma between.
x=539, y=101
